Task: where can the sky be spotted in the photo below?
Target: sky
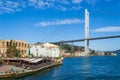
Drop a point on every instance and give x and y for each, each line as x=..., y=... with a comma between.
x=56, y=20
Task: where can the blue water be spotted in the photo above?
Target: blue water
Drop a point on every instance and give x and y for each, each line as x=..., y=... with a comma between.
x=95, y=68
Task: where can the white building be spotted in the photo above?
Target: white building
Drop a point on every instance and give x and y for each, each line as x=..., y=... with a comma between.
x=79, y=53
x=45, y=50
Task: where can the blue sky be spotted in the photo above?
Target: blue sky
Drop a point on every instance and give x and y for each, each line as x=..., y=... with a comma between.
x=37, y=20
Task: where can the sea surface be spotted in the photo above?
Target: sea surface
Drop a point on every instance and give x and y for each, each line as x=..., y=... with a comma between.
x=80, y=68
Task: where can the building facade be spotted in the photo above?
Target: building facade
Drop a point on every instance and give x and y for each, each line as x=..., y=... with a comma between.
x=79, y=53
x=45, y=50
x=22, y=46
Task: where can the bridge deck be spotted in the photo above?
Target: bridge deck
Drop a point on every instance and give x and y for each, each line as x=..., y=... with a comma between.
x=80, y=40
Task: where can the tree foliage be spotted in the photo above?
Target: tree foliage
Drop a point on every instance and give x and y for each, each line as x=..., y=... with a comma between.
x=11, y=50
x=70, y=49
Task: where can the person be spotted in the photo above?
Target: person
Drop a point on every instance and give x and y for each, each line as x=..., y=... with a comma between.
x=6, y=72
x=11, y=70
x=23, y=70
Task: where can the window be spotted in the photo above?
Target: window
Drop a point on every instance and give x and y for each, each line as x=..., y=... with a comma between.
x=16, y=44
x=19, y=44
x=7, y=44
x=25, y=45
x=22, y=44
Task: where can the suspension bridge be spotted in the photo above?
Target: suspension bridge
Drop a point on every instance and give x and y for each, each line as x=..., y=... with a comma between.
x=86, y=39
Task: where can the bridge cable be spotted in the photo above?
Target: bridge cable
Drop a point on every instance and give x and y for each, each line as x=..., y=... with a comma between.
x=62, y=30
x=51, y=34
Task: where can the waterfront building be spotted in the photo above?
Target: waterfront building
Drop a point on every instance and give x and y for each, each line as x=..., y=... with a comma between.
x=66, y=54
x=22, y=46
x=79, y=53
x=100, y=53
x=45, y=50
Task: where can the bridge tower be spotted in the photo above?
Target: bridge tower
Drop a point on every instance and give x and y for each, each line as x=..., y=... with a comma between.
x=86, y=32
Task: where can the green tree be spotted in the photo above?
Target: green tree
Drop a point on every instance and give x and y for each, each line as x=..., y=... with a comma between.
x=93, y=52
x=12, y=51
x=17, y=54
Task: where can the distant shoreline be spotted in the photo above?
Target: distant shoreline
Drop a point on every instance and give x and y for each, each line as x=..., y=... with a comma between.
x=86, y=56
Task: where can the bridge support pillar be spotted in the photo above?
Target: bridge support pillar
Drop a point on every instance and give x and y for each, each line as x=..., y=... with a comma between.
x=86, y=32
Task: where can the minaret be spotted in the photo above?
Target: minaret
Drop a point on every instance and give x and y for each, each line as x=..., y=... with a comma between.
x=86, y=32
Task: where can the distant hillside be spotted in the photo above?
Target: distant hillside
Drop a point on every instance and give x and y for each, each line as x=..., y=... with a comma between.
x=117, y=52
x=69, y=48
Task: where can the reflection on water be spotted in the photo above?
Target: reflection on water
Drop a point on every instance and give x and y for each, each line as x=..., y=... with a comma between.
x=79, y=68
x=85, y=66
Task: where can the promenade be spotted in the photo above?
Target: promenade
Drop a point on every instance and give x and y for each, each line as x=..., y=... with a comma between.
x=14, y=70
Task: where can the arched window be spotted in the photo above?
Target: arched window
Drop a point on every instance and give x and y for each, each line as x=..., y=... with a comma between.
x=22, y=44
x=7, y=44
x=19, y=44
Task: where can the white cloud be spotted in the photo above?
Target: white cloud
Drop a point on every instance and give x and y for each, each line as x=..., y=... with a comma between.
x=76, y=7
x=108, y=29
x=63, y=8
x=77, y=1
x=60, y=22
x=92, y=2
x=8, y=6
x=33, y=1
x=108, y=0
x=65, y=2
